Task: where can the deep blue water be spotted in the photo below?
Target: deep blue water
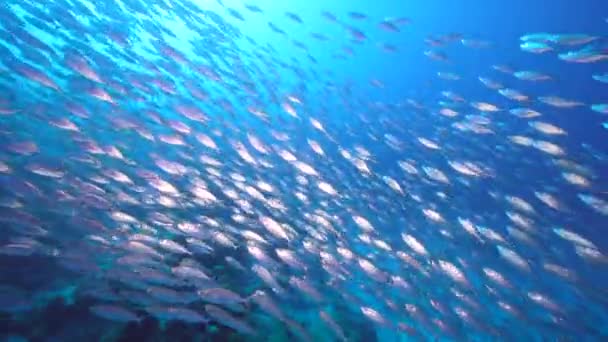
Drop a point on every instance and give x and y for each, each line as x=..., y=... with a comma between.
x=262, y=171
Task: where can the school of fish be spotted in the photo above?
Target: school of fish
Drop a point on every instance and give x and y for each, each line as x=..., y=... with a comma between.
x=193, y=180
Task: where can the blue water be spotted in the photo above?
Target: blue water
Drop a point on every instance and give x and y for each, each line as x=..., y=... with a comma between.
x=148, y=148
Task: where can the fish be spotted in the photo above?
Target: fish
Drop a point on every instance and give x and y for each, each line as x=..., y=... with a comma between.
x=600, y=77
x=177, y=314
x=535, y=47
x=559, y=102
x=294, y=17
x=530, y=75
x=225, y=318
x=114, y=313
x=600, y=108
x=583, y=56
x=242, y=172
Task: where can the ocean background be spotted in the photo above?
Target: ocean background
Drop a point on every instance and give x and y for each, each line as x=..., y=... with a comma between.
x=360, y=92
